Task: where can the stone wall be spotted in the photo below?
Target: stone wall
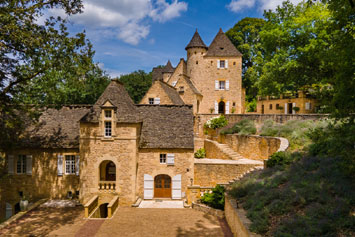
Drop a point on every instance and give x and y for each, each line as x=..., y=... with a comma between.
x=251, y=146
x=149, y=163
x=44, y=181
x=236, y=219
x=270, y=106
x=156, y=91
x=209, y=172
x=213, y=151
x=208, y=210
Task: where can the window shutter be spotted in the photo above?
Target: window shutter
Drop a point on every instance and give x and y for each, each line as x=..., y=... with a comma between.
x=218, y=63
x=157, y=101
x=170, y=159
x=226, y=66
x=176, y=187
x=148, y=186
x=215, y=107
x=285, y=108
x=293, y=105
x=227, y=107
x=8, y=212
x=227, y=85
x=308, y=107
x=77, y=164
x=10, y=164
x=216, y=85
x=60, y=165
x=29, y=164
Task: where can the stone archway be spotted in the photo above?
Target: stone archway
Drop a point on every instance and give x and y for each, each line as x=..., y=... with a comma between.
x=107, y=175
x=221, y=107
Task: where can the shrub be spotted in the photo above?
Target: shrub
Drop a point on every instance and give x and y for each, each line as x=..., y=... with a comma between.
x=216, y=198
x=243, y=127
x=279, y=158
x=200, y=153
x=216, y=122
x=251, y=106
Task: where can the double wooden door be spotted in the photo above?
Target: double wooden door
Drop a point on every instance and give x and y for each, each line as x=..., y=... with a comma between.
x=162, y=186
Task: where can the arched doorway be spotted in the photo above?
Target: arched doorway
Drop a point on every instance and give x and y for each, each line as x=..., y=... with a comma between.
x=162, y=186
x=103, y=210
x=107, y=171
x=221, y=107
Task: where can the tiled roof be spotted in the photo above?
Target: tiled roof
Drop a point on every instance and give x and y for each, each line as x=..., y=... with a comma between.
x=196, y=42
x=167, y=126
x=191, y=84
x=221, y=46
x=172, y=93
x=157, y=72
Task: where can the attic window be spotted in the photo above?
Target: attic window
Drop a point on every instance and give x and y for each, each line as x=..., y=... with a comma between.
x=151, y=101
x=108, y=114
x=221, y=48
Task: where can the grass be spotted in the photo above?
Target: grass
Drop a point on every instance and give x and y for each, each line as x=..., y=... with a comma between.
x=310, y=197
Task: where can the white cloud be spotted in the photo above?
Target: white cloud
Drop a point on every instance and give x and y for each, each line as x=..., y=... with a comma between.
x=239, y=5
x=165, y=11
x=126, y=19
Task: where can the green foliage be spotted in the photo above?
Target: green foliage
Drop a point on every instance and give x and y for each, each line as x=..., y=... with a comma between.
x=296, y=131
x=216, y=122
x=137, y=84
x=216, y=198
x=200, y=153
x=243, y=127
x=309, y=197
x=251, y=106
x=245, y=36
x=282, y=158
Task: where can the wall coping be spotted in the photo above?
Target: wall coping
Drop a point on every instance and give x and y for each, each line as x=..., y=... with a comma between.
x=207, y=161
x=208, y=210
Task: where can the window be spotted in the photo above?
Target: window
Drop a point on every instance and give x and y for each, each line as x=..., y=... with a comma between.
x=21, y=164
x=277, y=106
x=162, y=158
x=270, y=106
x=108, y=114
x=151, y=101
x=308, y=106
x=108, y=129
x=234, y=63
x=181, y=89
x=222, y=64
x=70, y=164
x=222, y=85
x=196, y=62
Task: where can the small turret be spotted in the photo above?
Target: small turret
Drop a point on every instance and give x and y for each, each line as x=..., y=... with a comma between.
x=196, y=42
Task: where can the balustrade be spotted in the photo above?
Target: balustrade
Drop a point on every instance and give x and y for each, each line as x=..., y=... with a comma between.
x=107, y=185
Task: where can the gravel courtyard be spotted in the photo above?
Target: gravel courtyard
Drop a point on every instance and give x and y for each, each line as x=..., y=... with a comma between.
x=49, y=221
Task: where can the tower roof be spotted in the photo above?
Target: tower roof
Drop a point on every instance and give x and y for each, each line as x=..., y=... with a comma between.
x=196, y=42
x=168, y=67
x=221, y=46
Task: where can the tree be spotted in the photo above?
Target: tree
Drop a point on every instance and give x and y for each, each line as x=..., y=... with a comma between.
x=245, y=36
x=41, y=64
x=137, y=84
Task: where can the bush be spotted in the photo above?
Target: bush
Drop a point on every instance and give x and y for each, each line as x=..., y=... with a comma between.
x=215, y=199
x=280, y=158
x=200, y=153
x=243, y=127
x=216, y=122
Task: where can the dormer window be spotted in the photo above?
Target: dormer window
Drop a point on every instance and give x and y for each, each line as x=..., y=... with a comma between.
x=108, y=114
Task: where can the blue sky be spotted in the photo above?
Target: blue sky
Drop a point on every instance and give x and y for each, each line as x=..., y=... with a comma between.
x=129, y=35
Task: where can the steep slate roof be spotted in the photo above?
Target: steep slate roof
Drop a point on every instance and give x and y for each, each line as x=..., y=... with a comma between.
x=196, y=42
x=157, y=72
x=167, y=126
x=172, y=93
x=56, y=128
x=191, y=84
x=117, y=95
x=221, y=46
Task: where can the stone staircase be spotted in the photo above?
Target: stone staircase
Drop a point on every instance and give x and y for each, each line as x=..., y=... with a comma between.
x=259, y=167
x=227, y=151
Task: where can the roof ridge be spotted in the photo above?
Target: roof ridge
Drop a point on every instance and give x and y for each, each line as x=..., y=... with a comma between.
x=222, y=46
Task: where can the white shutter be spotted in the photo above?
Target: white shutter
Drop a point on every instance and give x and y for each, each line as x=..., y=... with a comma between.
x=218, y=63
x=176, y=187
x=216, y=85
x=77, y=164
x=227, y=107
x=60, y=165
x=148, y=186
x=29, y=164
x=174, y=83
x=226, y=64
x=293, y=106
x=285, y=108
x=8, y=212
x=170, y=159
x=157, y=101
x=308, y=107
x=227, y=85
x=215, y=107
x=10, y=164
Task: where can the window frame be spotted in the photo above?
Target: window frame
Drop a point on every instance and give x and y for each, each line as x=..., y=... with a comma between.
x=151, y=100
x=220, y=83
x=21, y=163
x=108, y=130
x=105, y=113
x=70, y=164
x=162, y=158
x=224, y=64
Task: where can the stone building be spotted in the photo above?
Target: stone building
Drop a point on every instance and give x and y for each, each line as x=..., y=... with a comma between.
x=112, y=148
x=210, y=78
x=299, y=103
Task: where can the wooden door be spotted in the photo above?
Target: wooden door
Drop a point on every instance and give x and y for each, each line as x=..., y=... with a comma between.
x=162, y=186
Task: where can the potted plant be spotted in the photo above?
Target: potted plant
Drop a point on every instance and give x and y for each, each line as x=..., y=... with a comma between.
x=296, y=109
x=23, y=203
